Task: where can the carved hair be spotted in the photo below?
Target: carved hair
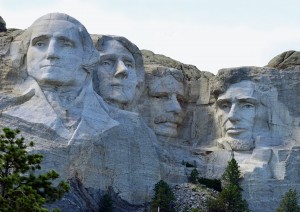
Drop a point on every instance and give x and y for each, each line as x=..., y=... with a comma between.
x=227, y=77
x=161, y=71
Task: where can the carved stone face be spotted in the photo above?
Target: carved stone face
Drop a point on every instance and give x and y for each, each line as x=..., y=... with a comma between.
x=116, y=74
x=55, y=53
x=165, y=109
x=236, y=110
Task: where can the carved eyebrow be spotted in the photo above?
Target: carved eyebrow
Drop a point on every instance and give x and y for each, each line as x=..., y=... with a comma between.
x=221, y=101
x=248, y=100
x=181, y=97
x=128, y=59
x=107, y=57
x=39, y=38
x=157, y=93
x=64, y=38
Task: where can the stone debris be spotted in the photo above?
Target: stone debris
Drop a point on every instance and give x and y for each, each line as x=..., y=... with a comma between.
x=192, y=196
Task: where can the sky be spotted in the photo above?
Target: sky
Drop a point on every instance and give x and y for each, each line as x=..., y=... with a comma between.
x=210, y=34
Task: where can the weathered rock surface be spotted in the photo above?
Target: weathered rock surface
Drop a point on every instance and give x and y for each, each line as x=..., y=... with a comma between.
x=49, y=96
x=285, y=60
x=175, y=117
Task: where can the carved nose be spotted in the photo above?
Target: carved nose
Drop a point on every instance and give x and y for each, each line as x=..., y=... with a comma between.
x=121, y=70
x=52, y=51
x=233, y=114
x=174, y=105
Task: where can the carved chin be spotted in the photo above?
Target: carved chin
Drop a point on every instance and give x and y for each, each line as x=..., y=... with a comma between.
x=118, y=96
x=236, y=144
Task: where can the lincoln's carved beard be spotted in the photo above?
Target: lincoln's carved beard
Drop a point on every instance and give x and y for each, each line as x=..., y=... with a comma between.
x=236, y=144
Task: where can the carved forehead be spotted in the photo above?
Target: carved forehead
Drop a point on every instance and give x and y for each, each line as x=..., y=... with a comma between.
x=57, y=28
x=165, y=84
x=56, y=17
x=242, y=90
x=162, y=71
x=113, y=47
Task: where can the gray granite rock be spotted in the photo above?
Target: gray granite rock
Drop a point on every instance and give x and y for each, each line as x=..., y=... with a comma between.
x=285, y=60
x=172, y=120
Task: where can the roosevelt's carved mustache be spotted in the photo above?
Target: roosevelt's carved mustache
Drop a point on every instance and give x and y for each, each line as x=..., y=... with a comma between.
x=168, y=118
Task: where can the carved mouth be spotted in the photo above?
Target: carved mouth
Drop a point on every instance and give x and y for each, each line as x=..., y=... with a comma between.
x=115, y=84
x=234, y=130
x=169, y=124
x=176, y=120
x=45, y=66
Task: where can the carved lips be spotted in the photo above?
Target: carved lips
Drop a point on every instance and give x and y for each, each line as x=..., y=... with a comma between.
x=234, y=130
x=50, y=66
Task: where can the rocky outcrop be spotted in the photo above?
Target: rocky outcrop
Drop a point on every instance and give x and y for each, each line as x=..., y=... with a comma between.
x=285, y=60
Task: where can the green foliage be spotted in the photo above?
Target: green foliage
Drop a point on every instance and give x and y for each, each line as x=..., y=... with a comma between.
x=232, y=174
x=20, y=188
x=230, y=198
x=106, y=203
x=215, y=205
x=163, y=197
x=289, y=202
x=194, y=176
x=211, y=183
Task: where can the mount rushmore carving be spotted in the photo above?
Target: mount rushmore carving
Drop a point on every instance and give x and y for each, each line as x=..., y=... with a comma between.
x=108, y=116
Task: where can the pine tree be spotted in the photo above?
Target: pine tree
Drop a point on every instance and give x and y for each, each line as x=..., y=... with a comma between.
x=232, y=174
x=194, y=176
x=230, y=198
x=20, y=188
x=163, y=197
x=289, y=202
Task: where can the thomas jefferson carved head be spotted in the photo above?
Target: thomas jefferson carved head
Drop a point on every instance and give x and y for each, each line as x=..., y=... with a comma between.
x=120, y=70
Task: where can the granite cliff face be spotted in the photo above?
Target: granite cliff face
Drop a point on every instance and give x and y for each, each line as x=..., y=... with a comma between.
x=111, y=118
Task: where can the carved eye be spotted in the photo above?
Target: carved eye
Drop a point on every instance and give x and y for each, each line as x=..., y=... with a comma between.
x=40, y=44
x=129, y=64
x=66, y=43
x=225, y=106
x=106, y=63
x=247, y=105
x=160, y=96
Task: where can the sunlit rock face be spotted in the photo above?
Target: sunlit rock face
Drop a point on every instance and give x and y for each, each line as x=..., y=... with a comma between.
x=48, y=93
x=259, y=127
x=111, y=118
